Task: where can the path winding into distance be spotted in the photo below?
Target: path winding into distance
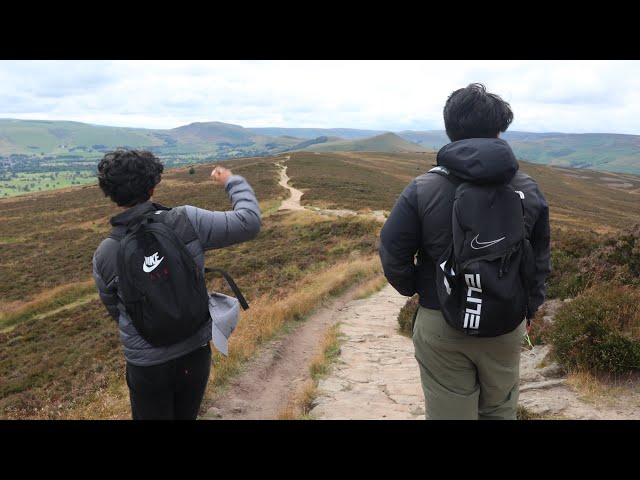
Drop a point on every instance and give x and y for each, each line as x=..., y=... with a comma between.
x=376, y=375
x=293, y=202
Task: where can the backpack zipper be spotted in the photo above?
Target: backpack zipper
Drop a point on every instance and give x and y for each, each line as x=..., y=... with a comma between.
x=505, y=255
x=504, y=266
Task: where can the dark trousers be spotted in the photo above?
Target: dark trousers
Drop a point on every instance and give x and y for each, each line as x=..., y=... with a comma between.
x=171, y=390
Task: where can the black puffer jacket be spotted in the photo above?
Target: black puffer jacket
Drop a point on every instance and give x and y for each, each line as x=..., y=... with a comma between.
x=420, y=221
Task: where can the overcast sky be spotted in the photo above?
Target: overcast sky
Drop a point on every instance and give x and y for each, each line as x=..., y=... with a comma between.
x=559, y=96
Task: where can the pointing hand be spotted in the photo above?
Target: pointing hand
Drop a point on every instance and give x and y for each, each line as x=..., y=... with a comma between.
x=220, y=175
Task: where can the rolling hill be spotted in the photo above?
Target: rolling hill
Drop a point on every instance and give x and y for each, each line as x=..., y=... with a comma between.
x=597, y=151
x=387, y=142
x=431, y=139
x=53, y=137
x=56, y=138
x=208, y=133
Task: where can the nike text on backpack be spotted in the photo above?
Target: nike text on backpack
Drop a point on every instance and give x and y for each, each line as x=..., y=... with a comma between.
x=483, y=277
x=164, y=292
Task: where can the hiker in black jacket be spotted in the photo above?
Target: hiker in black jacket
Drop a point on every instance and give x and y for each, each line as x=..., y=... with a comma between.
x=168, y=381
x=463, y=377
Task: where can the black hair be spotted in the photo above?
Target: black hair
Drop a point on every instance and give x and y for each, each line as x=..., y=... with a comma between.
x=127, y=176
x=471, y=112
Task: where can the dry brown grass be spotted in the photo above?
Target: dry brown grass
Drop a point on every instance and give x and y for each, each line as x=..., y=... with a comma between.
x=370, y=287
x=301, y=403
x=597, y=390
x=585, y=384
x=328, y=347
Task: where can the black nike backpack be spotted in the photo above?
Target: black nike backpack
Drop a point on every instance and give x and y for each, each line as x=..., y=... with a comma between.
x=483, y=278
x=164, y=292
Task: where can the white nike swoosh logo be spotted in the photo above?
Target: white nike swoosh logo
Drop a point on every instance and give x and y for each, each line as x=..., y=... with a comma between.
x=483, y=244
x=151, y=268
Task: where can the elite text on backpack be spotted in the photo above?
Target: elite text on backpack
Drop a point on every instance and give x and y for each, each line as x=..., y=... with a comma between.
x=164, y=292
x=482, y=279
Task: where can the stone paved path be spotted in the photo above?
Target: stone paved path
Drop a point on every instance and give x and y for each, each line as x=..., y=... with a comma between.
x=376, y=375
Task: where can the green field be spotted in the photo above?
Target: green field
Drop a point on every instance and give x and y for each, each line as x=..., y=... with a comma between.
x=23, y=183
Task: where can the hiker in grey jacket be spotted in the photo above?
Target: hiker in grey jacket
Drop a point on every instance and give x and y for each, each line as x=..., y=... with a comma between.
x=463, y=377
x=166, y=382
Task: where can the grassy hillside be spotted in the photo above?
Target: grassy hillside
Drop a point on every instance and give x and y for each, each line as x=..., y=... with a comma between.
x=387, y=142
x=616, y=153
x=354, y=180
x=579, y=199
x=57, y=137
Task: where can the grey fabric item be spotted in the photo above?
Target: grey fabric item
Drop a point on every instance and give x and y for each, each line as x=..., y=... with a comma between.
x=225, y=313
x=213, y=229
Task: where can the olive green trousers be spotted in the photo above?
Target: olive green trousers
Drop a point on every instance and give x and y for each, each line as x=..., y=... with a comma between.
x=463, y=377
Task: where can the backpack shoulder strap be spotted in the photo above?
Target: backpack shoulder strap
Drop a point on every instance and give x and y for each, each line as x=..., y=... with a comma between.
x=180, y=223
x=448, y=174
x=232, y=284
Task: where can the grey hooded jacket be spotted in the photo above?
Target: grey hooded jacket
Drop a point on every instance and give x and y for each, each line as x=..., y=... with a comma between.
x=214, y=230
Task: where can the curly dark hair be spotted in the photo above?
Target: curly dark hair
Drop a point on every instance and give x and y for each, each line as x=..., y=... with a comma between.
x=471, y=112
x=127, y=176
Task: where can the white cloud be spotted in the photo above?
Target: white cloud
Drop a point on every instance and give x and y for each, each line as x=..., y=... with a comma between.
x=567, y=96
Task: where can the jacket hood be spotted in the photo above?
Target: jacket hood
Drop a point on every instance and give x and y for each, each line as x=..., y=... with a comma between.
x=123, y=218
x=479, y=160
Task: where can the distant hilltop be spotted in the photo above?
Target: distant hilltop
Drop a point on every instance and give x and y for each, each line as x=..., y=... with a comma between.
x=386, y=142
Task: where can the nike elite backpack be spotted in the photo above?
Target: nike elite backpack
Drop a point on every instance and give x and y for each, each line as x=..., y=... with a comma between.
x=163, y=290
x=483, y=277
